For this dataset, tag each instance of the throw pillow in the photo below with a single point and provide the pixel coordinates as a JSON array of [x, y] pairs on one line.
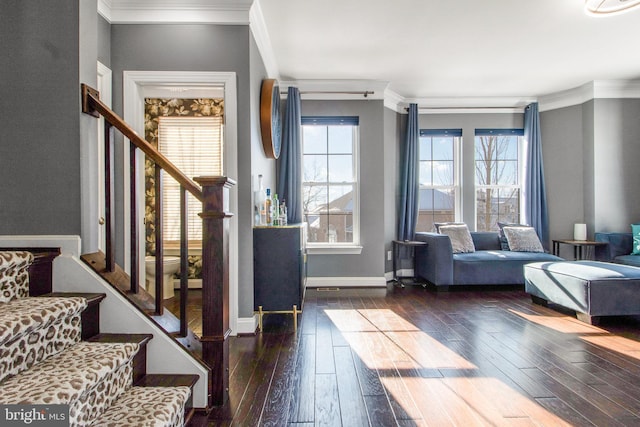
[[635, 230], [522, 239], [504, 245], [461, 241], [437, 225]]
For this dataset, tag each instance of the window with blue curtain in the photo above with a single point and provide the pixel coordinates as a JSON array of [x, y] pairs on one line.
[[330, 201], [498, 177], [439, 191]]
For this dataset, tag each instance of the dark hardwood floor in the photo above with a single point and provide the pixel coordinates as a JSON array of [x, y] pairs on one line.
[[415, 357]]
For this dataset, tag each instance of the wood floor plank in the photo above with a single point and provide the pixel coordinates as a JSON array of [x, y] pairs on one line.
[[250, 410], [327, 403], [324, 345], [302, 404], [276, 407], [353, 411], [380, 412]]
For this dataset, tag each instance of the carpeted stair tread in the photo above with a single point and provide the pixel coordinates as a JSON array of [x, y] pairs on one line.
[[22, 316], [88, 376], [147, 406]]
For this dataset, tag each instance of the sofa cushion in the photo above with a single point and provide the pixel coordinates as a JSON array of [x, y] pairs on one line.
[[523, 239], [628, 260], [494, 267], [461, 241]]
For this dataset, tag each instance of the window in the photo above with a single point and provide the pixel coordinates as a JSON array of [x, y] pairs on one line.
[[330, 180], [194, 145], [438, 177], [498, 165]]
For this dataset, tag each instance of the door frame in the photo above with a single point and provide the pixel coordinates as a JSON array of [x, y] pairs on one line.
[[136, 86]]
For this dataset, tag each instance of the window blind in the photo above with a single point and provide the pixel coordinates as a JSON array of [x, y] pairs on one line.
[[194, 145]]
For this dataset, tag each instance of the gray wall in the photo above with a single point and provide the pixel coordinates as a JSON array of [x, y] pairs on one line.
[[392, 138], [372, 184], [616, 156], [40, 114], [563, 156], [590, 151], [469, 123]]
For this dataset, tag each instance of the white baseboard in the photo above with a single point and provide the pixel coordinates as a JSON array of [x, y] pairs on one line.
[[247, 325], [346, 282]]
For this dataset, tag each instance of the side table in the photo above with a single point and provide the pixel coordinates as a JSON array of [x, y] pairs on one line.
[[579, 247], [410, 244]]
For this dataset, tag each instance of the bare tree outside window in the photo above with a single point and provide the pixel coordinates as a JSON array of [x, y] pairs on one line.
[[497, 180]]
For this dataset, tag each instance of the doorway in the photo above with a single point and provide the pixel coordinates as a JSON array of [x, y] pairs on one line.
[[138, 85]]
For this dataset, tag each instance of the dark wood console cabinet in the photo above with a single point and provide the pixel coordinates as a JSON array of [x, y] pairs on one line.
[[279, 270]]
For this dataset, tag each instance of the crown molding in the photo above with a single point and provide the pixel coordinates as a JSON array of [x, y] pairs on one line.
[[224, 12], [394, 101], [261, 35], [596, 89]]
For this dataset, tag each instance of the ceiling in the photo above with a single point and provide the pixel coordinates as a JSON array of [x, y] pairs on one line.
[[426, 50]]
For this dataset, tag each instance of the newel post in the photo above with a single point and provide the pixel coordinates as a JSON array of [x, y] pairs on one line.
[[215, 283]]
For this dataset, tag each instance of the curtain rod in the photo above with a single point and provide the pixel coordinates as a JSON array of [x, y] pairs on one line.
[[364, 93], [467, 108]]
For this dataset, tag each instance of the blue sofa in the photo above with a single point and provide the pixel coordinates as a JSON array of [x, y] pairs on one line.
[[488, 265], [618, 250]]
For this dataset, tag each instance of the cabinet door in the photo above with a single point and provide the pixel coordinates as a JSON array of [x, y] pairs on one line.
[[276, 268]]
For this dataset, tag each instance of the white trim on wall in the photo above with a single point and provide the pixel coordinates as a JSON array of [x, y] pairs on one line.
[[134, 83], [346, 282]]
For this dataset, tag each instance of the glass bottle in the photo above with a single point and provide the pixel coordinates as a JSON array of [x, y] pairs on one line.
[[267, 208], [275, 217], [259, 199]]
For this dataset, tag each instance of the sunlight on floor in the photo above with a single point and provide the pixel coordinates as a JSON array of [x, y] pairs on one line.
[[591, 334], [429, 381], [395, 336], [560, 323], [622, 345]]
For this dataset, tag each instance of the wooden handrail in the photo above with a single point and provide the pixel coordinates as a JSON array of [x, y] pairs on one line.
[[91, 104]]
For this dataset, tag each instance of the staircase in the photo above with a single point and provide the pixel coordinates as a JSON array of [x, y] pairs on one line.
[[51, 353]]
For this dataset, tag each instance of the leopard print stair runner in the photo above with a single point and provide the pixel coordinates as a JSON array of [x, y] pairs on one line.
[[44, 361], [33, 329], [147, 407], [88, 376]]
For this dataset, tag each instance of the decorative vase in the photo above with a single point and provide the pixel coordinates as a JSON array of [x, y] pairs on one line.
[[580, 232]]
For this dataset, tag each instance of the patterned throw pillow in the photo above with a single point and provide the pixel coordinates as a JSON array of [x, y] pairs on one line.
[[461, 241], [437, 225], [522, 239], [635, 230], [504, 245]]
